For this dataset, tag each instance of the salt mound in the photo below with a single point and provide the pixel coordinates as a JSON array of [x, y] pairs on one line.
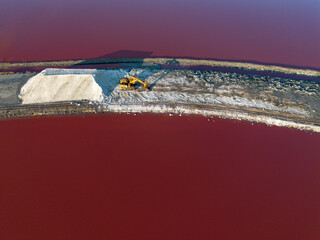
[[55, 85]]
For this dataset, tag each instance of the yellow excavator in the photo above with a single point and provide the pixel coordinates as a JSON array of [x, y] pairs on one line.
[[130, 83]]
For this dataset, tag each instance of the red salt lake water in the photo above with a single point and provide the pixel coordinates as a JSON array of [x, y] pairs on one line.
[[273, 31], [157, 177]]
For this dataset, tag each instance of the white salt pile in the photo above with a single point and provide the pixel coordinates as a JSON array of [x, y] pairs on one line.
[[55, 85]]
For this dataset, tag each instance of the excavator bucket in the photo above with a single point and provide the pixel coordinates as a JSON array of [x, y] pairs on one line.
[[124, 82]]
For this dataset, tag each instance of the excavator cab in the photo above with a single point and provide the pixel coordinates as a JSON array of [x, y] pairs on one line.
[[130, 83]]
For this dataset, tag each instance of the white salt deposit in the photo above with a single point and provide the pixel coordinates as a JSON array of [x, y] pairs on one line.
[[55, 85]]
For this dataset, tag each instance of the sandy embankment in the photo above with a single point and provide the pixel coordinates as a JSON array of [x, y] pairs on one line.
[[281, 102]]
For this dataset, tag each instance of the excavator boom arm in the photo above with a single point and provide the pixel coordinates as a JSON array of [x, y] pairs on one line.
[[133, 80]]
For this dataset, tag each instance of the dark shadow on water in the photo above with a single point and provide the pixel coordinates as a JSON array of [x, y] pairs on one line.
[[126, 54], [117, 59]]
